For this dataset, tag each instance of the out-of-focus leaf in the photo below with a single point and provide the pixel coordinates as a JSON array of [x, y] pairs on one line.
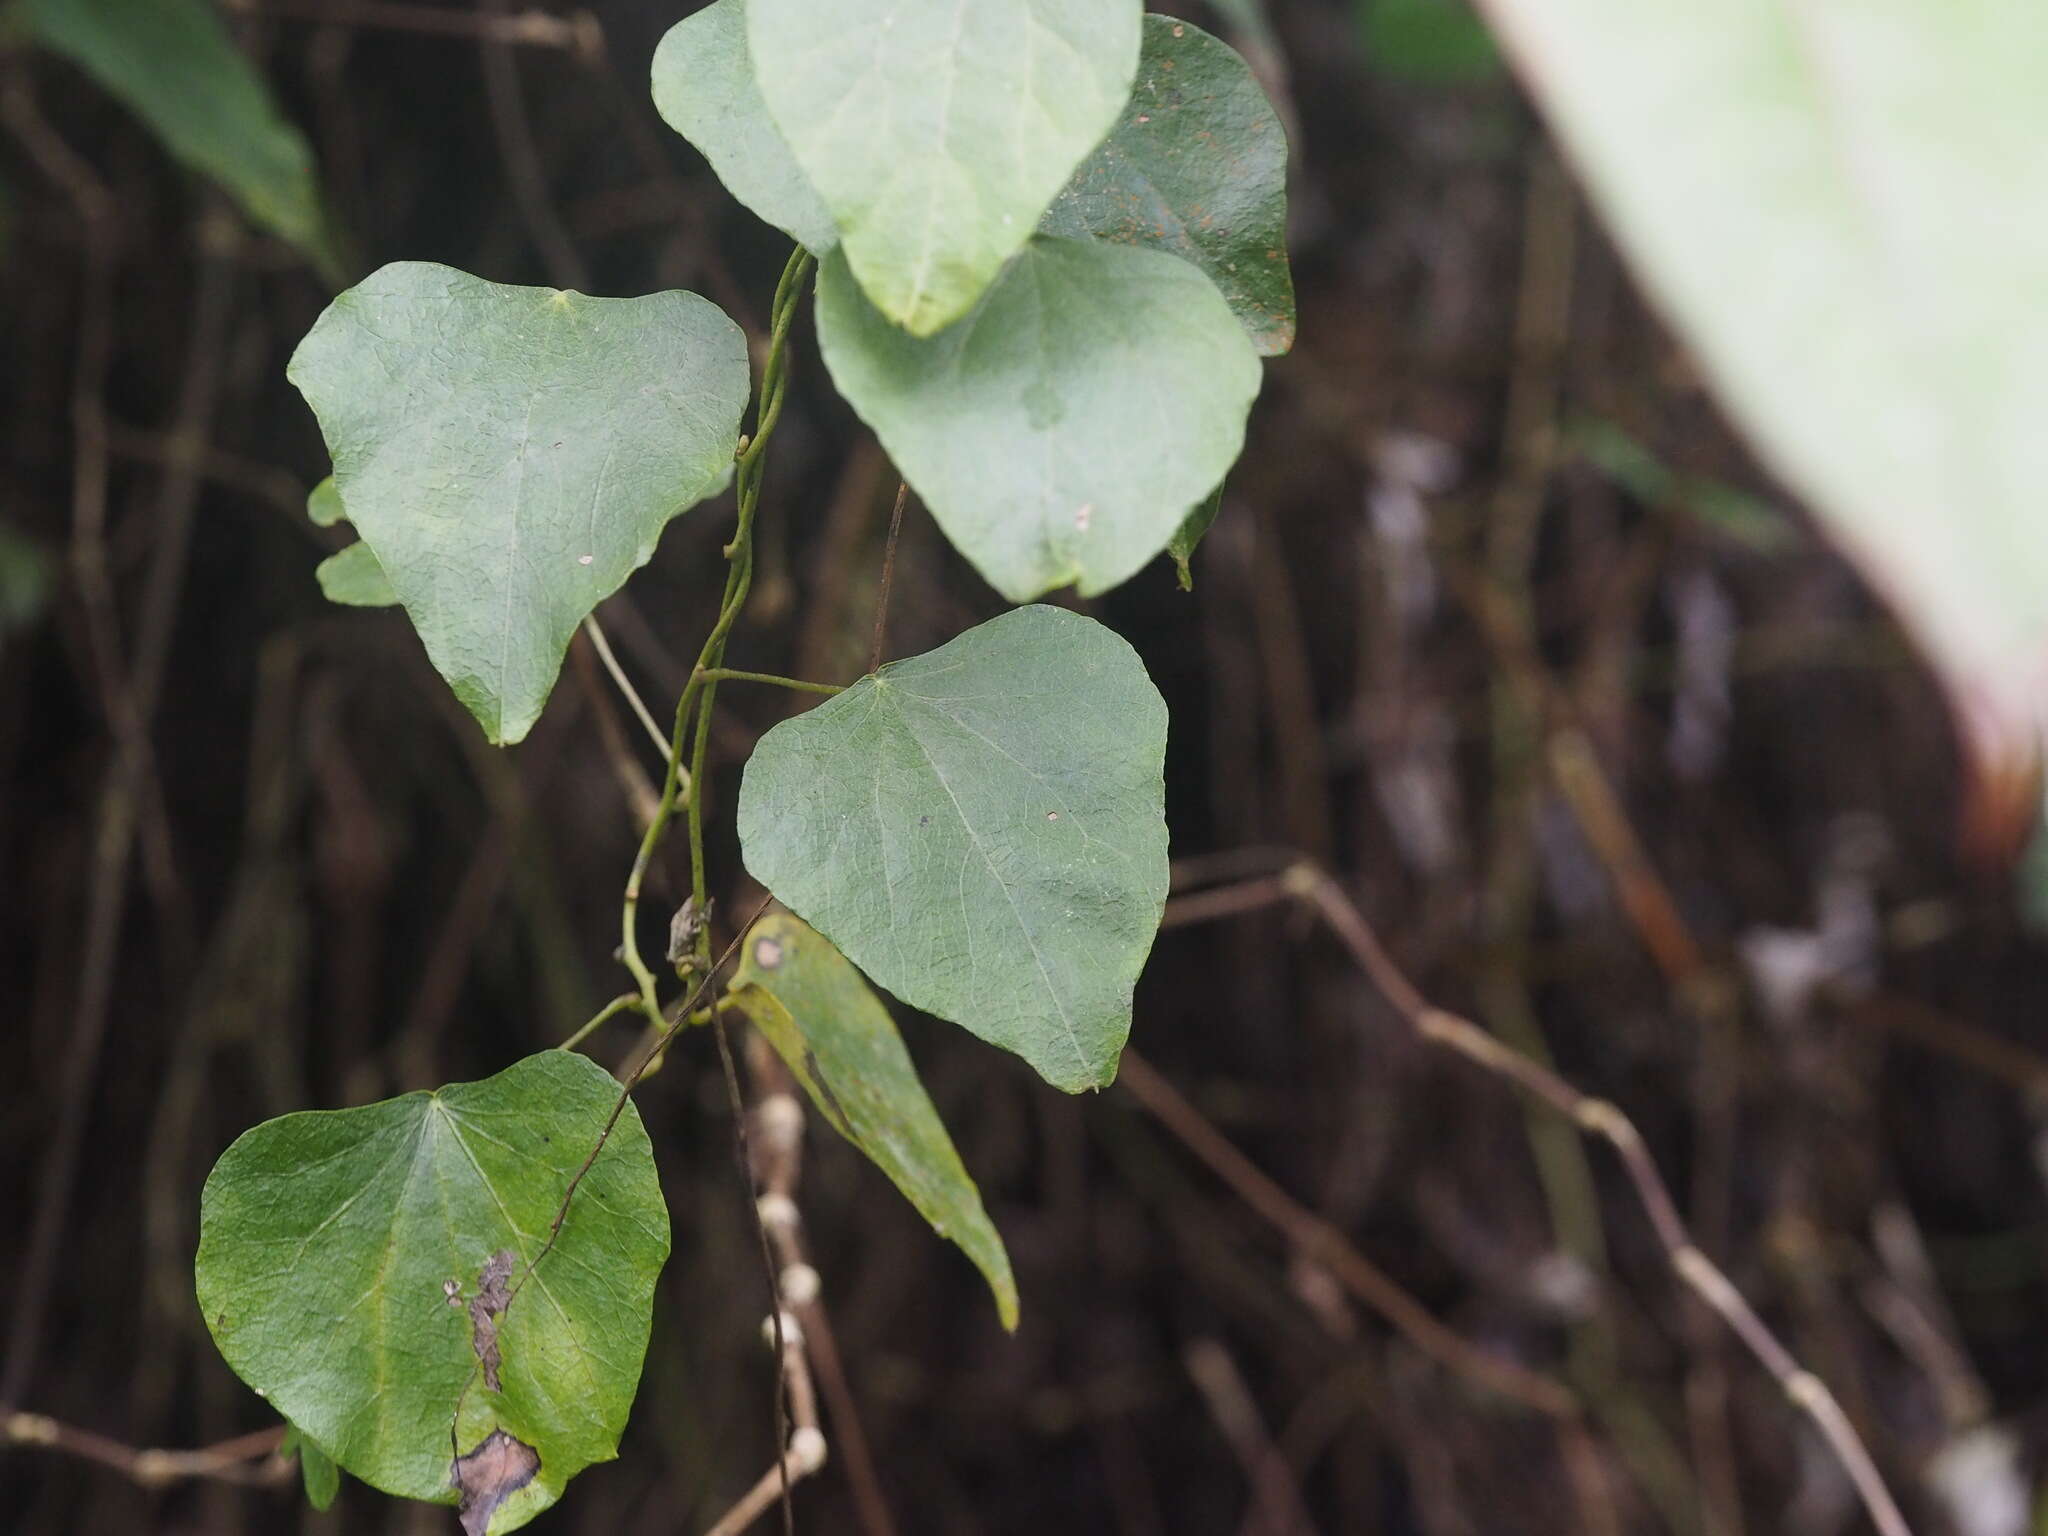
[[354, 579], [839, 1042], [25, 572], [1196, 166], [1843, 207], [1431, 42], [172, 63], [1747, 519]]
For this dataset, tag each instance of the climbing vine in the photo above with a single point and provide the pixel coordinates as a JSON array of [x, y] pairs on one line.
[[1044, 240]]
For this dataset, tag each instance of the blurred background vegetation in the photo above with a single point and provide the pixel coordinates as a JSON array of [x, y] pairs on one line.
[[1499, 623]]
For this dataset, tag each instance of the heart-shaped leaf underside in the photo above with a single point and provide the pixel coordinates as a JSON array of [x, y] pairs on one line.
[[982, 830], [367, 1271], [1842, 206], [839, 1042], [1197, 167], [704, 87], [511, 455], [1061, 432], [937, 131]]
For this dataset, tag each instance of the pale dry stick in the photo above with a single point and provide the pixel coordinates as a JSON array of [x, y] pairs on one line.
[[655, 733], [250, 1459], [1604, 1121], [779, 1125], [806, 1452], [642, 800]]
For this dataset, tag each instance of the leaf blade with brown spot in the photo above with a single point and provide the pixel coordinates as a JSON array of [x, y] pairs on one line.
[[332, 1244]]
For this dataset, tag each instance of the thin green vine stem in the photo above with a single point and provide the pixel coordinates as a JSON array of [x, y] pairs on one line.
[[609, 1011], [701, 690], [797, 684]]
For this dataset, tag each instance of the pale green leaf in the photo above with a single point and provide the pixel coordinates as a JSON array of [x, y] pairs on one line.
[[1191, 533], [353, 578], [316, 1468], [982, 830], [323, 504], [839, 1042], [1061, 432], [937, 131], [512, 454], [704, 87], [1843, 207], [172, 63], [342, 1269], [1197, 167]]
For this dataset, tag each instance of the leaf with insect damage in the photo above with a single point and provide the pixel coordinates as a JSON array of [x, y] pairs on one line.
[[982, 830], [371, 1272], [838, 1040]]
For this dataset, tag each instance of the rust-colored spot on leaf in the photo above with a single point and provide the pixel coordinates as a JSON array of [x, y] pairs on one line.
[[492, 1296], [491, 1474]]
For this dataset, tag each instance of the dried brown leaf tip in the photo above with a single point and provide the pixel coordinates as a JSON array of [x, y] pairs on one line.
[[491, 1474], [493, 1294]]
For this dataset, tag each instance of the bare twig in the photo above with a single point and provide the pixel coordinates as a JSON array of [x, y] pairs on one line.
[[1277, 1507], [1604, 1121], [1316, 1240], [249, 1459], [603, 647], [779, 1122]]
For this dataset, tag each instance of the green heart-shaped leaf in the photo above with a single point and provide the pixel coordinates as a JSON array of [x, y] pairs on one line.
[[1196, 167], [839, 1042], [982, 830], [354, 1266], [1060, 433], [704, 87], [512, 454], [937, 131]]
